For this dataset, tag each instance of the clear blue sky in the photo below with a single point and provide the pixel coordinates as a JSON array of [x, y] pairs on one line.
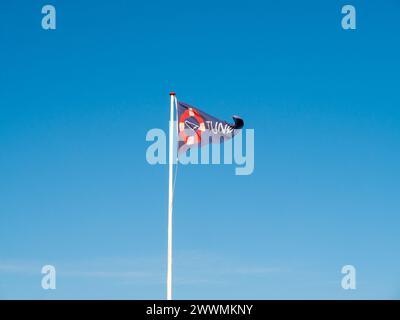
[[76, 190]]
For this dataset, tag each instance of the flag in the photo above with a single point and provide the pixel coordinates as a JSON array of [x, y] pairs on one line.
[[197, 128]]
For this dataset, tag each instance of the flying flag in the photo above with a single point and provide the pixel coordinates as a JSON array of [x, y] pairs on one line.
[[197, 128]]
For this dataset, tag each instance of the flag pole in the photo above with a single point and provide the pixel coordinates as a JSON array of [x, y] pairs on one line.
[[170, 196]]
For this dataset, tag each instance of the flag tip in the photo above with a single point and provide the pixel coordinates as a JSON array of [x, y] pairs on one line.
[[172, 93]]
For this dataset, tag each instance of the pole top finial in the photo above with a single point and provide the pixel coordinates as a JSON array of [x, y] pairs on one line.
[[172, 93]]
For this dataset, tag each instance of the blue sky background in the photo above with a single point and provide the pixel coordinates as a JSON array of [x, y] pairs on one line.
[[76, 190]]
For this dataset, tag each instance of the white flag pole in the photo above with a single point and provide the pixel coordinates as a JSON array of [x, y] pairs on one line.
[[170, 196]]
